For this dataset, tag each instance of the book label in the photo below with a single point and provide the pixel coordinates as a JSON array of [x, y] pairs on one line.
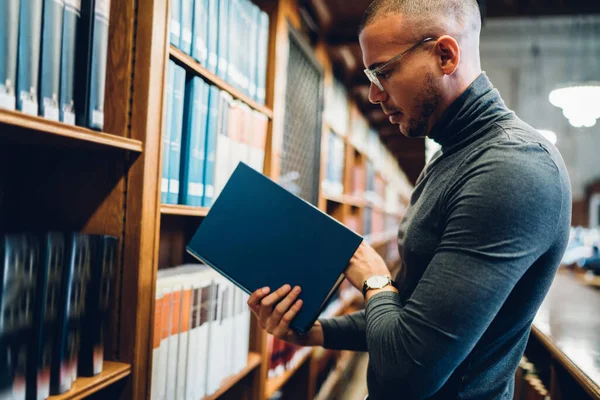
[[7, 101]]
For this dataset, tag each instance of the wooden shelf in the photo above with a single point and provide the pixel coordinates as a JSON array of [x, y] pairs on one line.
[[176, 209], [83, 387], [33, 129], [336, 375], [194, 65], [254, 361], [274, 384]]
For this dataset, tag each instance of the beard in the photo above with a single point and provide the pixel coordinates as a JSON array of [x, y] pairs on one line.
[[425, 105]]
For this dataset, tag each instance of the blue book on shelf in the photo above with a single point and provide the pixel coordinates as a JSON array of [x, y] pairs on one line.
[[224, 43], [278, 239], [263, 47], [72, 14], [187, 17], [30, 35], [213, 35], [50, 61], [200, 31], [253, 50], [176, 133], [98, 64], [192, 157], [9, 40], [245, 45], [166, 139], [175, 23], [211, 146], [234, 42]]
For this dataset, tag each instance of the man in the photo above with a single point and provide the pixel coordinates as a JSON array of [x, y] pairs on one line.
[[484, 234]]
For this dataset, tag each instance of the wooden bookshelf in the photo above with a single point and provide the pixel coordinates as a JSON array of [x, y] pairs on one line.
[[83, 387], [254, 360], [181, 210], [274, 384], [24, 128], [188, 62]]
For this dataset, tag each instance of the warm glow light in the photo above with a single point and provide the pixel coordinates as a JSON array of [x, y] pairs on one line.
[[580, 103], [551, 136]]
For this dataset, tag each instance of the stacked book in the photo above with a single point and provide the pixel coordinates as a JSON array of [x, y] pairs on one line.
[[55, 292], [201, 332]]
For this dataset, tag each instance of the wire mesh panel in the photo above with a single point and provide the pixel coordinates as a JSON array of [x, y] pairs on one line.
[[302, 129]]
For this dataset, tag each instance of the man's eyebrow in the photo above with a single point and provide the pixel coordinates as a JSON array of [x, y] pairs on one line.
[[375, 65]]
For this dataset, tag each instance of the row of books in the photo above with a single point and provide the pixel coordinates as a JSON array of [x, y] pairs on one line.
[[201, 332], [206, 134], [55, 291], [333, 183], [230, 37], [337, 112], [283, 356], [53, 61]]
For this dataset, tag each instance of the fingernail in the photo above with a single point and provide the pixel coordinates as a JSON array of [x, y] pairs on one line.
[[297, 290], [287, 288], [299, 303], [265, 289]]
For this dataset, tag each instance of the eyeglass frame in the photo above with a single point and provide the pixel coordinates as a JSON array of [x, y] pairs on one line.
[[372, 73]]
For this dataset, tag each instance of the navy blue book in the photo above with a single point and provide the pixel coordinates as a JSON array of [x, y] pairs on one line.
[[50, 62], [30, 35], [67, 68], [9, 39], [258, 234]]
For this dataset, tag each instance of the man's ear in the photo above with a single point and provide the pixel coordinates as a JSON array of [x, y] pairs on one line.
[[448, 52]]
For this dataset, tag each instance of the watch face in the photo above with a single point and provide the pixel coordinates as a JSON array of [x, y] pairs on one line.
[[377, 281]]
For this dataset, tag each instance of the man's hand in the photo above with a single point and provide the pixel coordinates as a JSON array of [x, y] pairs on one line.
[[364, 264], [275, 311]]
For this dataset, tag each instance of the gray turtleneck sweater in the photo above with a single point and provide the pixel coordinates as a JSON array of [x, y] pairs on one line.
[[480, 244]]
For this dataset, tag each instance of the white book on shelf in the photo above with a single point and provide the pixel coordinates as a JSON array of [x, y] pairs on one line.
[[155, 385], [223, 152], [215, 350]]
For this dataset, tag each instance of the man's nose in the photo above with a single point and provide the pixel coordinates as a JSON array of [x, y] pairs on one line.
[[377, 95]]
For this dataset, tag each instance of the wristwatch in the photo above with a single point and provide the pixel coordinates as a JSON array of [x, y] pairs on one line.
[[377, 282]]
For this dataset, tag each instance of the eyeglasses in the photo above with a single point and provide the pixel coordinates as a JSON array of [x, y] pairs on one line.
[[372, 74]]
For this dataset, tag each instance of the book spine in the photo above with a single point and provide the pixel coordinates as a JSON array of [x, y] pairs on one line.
[[213, 32], [176, 133], [211, 140], [253, 56], [187, 16], [99, 64], [183, 347], [173, 343], [200, 31], [9, 40], [223, 40], [262, 57], [175, 23], [30, 32], [71, 18], [164, 343], [234, 43], [166, 138], [195, 149], [50, 59], [156, 338]]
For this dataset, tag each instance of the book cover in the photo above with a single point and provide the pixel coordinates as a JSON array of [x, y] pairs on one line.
[[166, 137], [176, 134], [99, 64], [211, 144], [72, 15], [103, 259], [52, 260], [50, 59], [187, 19], [30, 35], [224, 43], [76, 273], [175, 23], [213, 35], [9, 40], [294, 232], [200, 31], [192, 163]]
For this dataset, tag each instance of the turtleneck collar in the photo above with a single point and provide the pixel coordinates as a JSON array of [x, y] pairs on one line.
[[476, 108]]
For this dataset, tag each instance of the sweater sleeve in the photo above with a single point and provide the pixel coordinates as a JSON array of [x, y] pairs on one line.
[[500, 217], [346, 332]]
